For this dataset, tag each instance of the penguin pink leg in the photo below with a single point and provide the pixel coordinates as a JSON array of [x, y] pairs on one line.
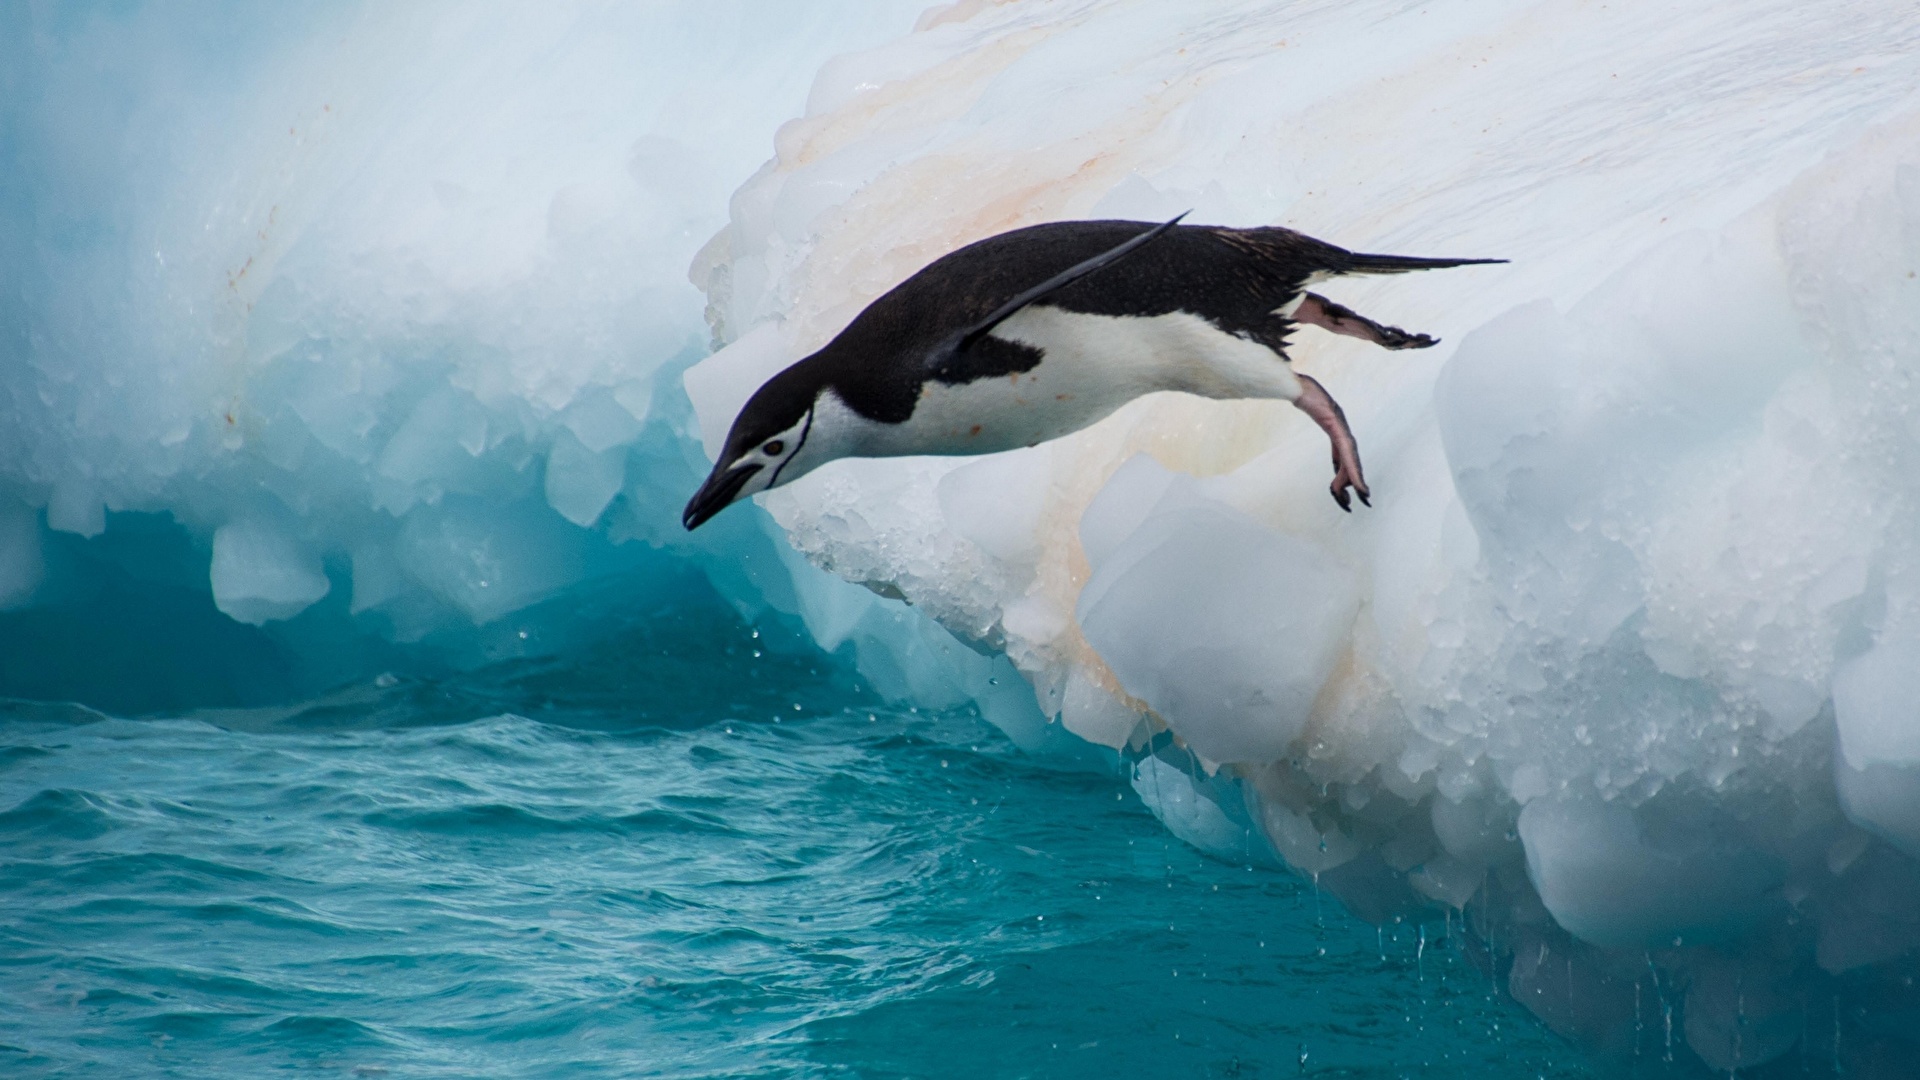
[[1317, 403], [1316, 310]]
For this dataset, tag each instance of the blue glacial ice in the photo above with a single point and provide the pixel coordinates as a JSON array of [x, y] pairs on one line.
[[391, 319]]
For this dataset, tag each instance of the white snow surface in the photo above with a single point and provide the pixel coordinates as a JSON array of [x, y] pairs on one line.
[[1633, 624]]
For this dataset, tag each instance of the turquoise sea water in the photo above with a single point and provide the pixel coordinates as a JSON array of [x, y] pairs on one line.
[[672, 855]]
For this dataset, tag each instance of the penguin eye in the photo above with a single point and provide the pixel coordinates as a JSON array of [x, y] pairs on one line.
[[773, 448]]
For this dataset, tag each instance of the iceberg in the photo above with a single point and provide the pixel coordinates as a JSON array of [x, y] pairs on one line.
[[1619, 664], [367, 309]]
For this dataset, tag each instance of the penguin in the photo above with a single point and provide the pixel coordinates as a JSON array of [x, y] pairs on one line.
[[1038, 332]]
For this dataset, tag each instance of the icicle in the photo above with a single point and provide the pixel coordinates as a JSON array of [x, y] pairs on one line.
[[1739, 1022], [1639, 1025], [1570, 1012], [1836, 1035]]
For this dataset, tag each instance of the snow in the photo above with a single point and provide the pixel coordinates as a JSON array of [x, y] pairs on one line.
[[387, 308]]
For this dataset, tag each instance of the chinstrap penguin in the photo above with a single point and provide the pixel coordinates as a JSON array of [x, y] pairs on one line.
[[1039, 332]]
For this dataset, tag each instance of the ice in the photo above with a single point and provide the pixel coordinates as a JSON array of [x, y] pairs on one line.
[[403, 282], [1612, 877], [580, 482], [1225, 628], [1207, 812], [22, 562], [261, 573], [997, 503], [1617, 662], [74, 506], [1876, 705]]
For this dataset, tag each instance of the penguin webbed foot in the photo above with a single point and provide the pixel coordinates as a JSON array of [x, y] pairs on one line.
[[1317, 310], [1392, 337]]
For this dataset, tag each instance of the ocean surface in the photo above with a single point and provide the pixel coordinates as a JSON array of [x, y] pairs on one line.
[[685, 852]]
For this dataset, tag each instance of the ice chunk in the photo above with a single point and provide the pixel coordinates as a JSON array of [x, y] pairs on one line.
[[1613, 879], [261, 573], [437, 449], [1096, 715], [602, 421], [75, 507], [1122, 505], [1191, 806], [1883, 798], [722, 383], [1476, 830], [1226, 628], [22, 565], [996, 502], [1876, 707], [580, 481], [1742, 1010], [1876, 701], [487, 559]]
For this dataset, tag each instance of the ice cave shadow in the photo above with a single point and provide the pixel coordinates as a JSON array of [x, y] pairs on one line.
[[134, 632]]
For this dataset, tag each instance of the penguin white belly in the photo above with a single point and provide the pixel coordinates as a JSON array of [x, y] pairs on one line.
[[1090, 366]]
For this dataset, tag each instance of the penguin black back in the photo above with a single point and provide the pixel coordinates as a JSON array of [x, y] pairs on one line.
[[1233, 278]]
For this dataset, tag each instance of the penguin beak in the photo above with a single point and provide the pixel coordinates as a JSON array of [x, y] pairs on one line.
[[722, 487]]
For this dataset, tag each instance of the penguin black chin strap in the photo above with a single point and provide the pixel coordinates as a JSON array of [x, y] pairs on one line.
[[797, 444]]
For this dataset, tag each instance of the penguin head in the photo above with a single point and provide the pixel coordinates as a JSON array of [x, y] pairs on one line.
[[763, 450]]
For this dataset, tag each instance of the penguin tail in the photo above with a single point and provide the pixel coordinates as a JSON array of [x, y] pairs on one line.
[[1357, 263]]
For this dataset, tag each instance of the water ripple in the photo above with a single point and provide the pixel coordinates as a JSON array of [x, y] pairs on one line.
[[830, 895], [68, 815]]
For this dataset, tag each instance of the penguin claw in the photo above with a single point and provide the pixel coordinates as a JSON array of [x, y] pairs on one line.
[[1392, 337], [1344, 489]]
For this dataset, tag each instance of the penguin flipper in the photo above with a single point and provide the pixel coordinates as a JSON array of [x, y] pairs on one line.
[[1059, 281]]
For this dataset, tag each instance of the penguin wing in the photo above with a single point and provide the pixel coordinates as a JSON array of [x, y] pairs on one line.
[[1061, 280]]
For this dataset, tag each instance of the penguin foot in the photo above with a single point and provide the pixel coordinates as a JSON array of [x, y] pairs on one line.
[[1345, 481], [1348, 479], [1392, 337], [1317, 310]]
